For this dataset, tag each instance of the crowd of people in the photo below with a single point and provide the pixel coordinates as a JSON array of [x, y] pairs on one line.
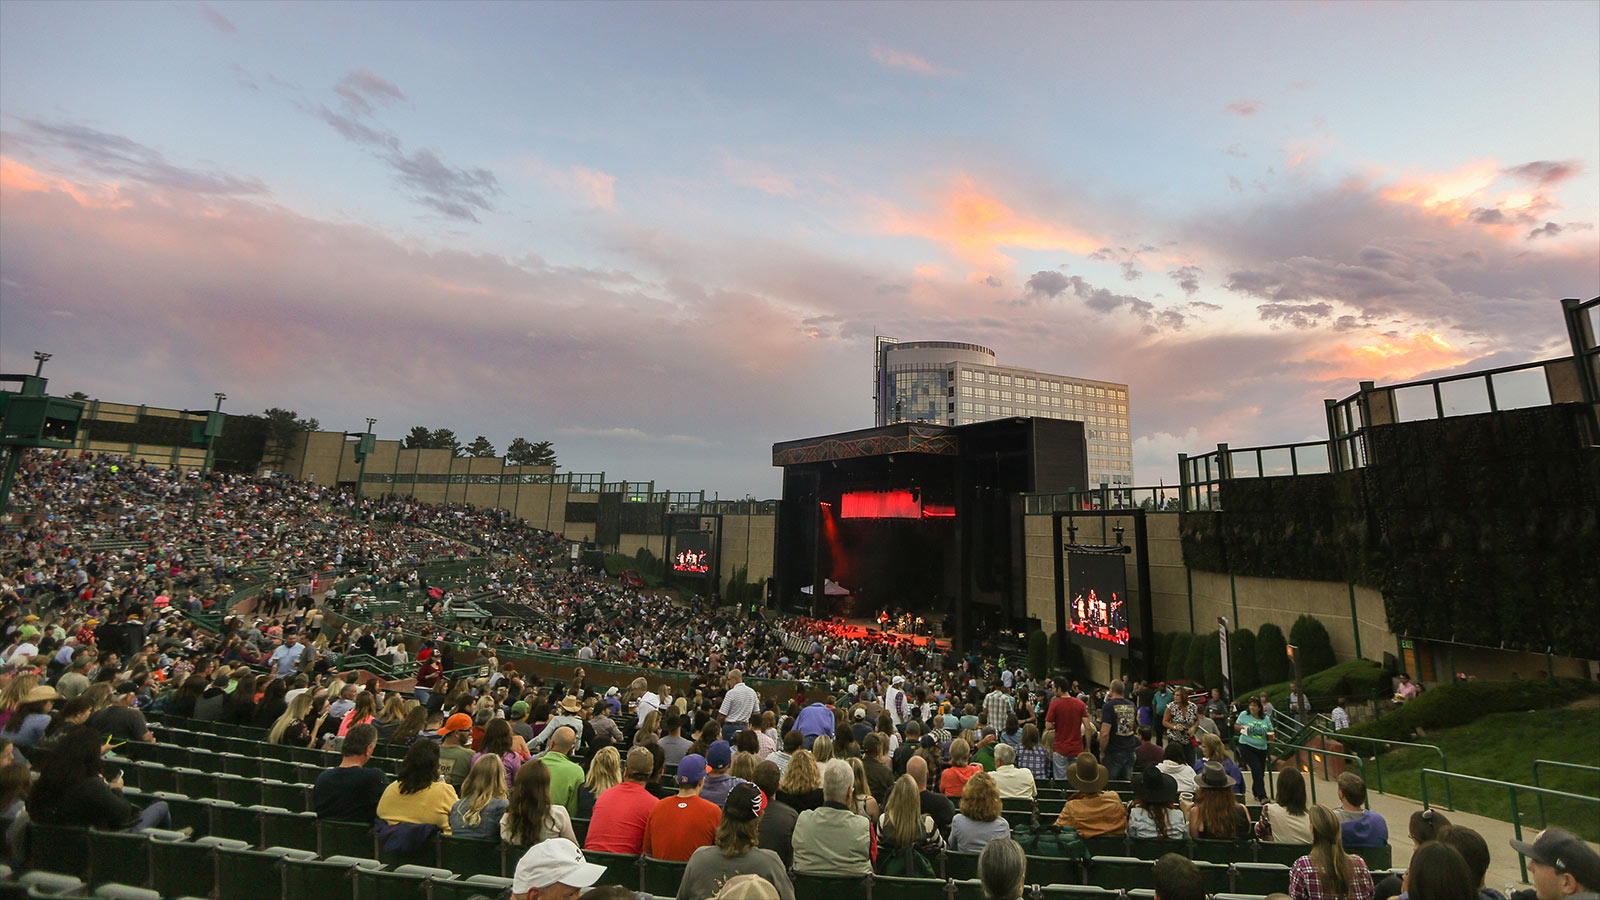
[[906, 753]]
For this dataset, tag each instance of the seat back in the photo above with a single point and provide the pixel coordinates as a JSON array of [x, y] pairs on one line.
[[621, 868], [253, 874], [1286, 854], [355, 839], [1260, 878], [476, 886], [1121, 872], [472, 856], [62, 849], [894, 887], [831, 887], [660, 876], [325, 879], [119, 856], [235, 822], [1071, 891], [1379, 859], [284, 828], [1155, 848], [1107, 845], [403, 883], [1225, 852]]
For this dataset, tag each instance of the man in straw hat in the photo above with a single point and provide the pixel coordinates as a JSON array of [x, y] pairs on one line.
[[1092, 809]]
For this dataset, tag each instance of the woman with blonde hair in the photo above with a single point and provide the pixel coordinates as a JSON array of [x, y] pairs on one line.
[[284, 730], [979, 820], [801, 784], [744, 765], [483, 801], [389, 718], [904, 826], [822, 749], [649, 728], [863, 803], [1213, 750], [605, 773], [1328, 872], [11, 697]]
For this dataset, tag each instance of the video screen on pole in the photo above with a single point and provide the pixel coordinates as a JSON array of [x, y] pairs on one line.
[[691, 553], [1097, 601]]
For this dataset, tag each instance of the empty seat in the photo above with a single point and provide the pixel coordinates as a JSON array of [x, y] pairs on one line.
[[402, 883], [465, 889], [119, 856], [473, 856], [660, 876], [285, 828], [621, 868], [62, 849], [346, 839], [1260, 878], [245, 874], [831, 887], [115, 891], [325, 879], [960, 865], [1069, 892], [894, 887], [180, 868]]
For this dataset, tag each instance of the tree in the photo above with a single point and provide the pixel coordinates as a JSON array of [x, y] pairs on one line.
[[1272, 655], [480, 447], [282, 427], [1194, 668], [1178, 656], [1311, 641], [1242, 643], [445, 439], [77, 395], [421, 438], [1163, 649], [523, 452], [1213, 662], [1039, 654]]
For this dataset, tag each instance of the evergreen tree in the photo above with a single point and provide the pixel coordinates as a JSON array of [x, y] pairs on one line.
[[1315, 647], [522, 452], [480, 447], [1272, 658], [1039, 654], [1178, 656], [1243, 644], [1194, 667]]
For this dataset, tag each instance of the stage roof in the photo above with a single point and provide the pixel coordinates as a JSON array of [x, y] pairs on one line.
[[904, 437]]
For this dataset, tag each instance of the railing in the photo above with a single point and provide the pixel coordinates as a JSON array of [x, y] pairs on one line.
[[1377, 759], [1320, 755], [1559, 765], [1514, 789], [1200, 477], [1156, 498]]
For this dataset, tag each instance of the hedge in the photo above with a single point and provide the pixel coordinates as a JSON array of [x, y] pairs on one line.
[[1178, 656], [1463, 702], [1194, 667], [1356, 680], [1242, 644], [1272, 658], [1311, 641]]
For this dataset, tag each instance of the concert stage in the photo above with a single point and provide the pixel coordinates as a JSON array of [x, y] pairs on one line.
[[919, 518]]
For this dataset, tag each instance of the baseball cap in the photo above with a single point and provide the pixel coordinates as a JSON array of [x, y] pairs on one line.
[[1565, 853], [745, 802], [860, 713], [719, 755], [747, 887], [457, 722], [691, 769], [898, 679], [554, 861], [518, 708]]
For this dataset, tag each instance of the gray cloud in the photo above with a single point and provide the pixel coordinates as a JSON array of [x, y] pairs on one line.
[[1546, 172], [213, 18], [1187, 278], [992, 281], [1299, 315], [452, 191], [1131, 271], [116, 156], [1548, 229], [1103, 301], [1048, 282], [361, 91], [1244, 107]]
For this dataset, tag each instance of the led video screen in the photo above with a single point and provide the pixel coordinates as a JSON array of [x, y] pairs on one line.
[[691, 553], [1098, 611]]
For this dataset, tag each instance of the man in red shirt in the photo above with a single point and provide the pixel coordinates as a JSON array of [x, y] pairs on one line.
[[683, 824], [620, 814], [1066, 715]]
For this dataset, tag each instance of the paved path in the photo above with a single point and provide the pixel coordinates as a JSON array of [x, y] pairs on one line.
[[1397, 810]]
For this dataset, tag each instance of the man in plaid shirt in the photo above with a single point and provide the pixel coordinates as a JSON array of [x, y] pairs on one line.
[[997, 705]]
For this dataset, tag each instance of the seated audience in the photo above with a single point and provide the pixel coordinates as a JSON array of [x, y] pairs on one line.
[[1092, 809], [417, 796], [1328, 872], [1012, 780], [1286, 820], [554, 870], [1002, 869], [530, 817], [777, 822], [735, 851], [1362, 827], [1438, 872], [623, 810], [350, 791], [1176, 878], [1156, 811], [832, 840], [954, 778], [979, 820], [1559, 865], [678, 826], [1217, 814], [483, 801], [71, 791]]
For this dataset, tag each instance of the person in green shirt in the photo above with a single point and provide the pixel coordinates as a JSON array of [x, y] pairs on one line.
[[565, 775], [1254, 728]]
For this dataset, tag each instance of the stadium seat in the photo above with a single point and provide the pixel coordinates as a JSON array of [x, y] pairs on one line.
[[239, 789], [401, 883], [1119, 872], [476, 886], [1221, 851], [289, 796], [1068, 891], [326, 879], [186, 867], [59, 848], [119, 856], [115, 891], [621, 868], [254, 874], [1378, 858], [425, 856], [966, 889], [1286, 854], [282, 828], [472, 856], [235, 822], [346, 839], [893, 887], [1155, 848], [241, 765], [1055, 870], [186, 812], [1107, 845], [48, 884], [960, 865], [830, 887], [1260, 878], [580, 829], [660, 876]]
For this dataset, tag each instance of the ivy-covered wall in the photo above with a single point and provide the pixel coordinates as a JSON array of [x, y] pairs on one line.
[[1481, 529], [239, 448]]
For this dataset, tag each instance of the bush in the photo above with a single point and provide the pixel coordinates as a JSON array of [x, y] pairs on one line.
[[1272, 657], [1178, 656], [1243, 646], [1213, 663], [1356, 680], [1462, 702], [1194, 668], [1055, 649], [1038, 655], [1312, 643], [616, 564], [1163, 651]]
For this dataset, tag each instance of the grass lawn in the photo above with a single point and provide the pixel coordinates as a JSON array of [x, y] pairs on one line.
[[1503, 746]]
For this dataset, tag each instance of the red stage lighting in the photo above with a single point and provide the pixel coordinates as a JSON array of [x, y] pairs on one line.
[[890, 505]]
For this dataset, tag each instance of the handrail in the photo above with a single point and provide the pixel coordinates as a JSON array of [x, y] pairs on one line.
[[1377, 759], [1513, 787], [1559, 764], [1317, 752], [1464, 376]]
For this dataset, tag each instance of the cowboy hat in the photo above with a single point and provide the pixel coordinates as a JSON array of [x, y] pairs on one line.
[[1086, 775], [570, 704], [1214, 777], [1155, 786]]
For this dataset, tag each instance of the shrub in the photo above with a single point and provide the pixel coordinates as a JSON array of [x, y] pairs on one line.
[[1311, 641], [1463, 702], [1356, 680], [1055, 649], [1212, 670], [1272, 659], [1038, 654], [1194, 668], [1178, 656], [1243, 646], [1163, 650]]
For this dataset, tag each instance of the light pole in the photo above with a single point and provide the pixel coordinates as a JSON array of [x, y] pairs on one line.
[[43, 358], [363, 450], [212, 428]]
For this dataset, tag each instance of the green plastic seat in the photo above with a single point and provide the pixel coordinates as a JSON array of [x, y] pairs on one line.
[[119, 856], [283, 828], [235, 822], [1121, 872], [967, 889], [345, 839], [284, 795], [239, 789], [116, 891], [241, 765], [1071, 891], [325, 879], [660, 876], [180, 868], [466, 889], [61, 849], [402, 883], [831, 887], [960, 865], [472, 856], [48, 884], [896, 887], [1224, 852], [580, 829], [1054, 870], [1155, 848], [254, 874], [621, 868], [1379, 859], [1260, 878], [1269, 852]]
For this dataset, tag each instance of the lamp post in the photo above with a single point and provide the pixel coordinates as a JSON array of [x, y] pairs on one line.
[[43, 358], [212, 428], [363, 450]]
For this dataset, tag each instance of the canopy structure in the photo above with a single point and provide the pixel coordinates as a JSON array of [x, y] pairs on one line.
[[830, 588]]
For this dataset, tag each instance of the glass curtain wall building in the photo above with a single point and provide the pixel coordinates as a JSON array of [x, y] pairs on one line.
[[956, 383]]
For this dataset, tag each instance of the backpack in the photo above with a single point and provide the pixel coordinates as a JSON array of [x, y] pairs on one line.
[[909, 863], [1059, 841]]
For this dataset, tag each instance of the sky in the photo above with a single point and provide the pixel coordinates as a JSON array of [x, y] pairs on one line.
[[662, 236]]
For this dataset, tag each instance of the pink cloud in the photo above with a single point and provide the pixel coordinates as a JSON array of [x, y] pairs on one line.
[[972, 224], [1244, 107], [900, 59]]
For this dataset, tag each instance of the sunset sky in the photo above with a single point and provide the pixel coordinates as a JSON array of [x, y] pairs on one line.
[[663, 235]]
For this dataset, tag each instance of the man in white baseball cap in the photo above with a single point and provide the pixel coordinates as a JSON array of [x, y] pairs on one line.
[[553, 869]]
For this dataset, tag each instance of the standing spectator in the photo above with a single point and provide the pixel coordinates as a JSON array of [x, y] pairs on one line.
[[1066, 716], [979, 820], [832, 840], [1002, 869], [998, 705], [1299, 703], [677, 826], [1361, 826], [1340, 716], [1119, 722], [530, 817], [622, 811], [1286, 820], [735, 851], [1254, 728], [1217, 711], [1092, 809], [349, 792], [738, 705], [417, 796], [1328, 872], [483, 801], [1406, 690], [1180, 720]]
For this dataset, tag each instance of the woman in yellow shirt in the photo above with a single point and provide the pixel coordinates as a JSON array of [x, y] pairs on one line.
[[417, 795]]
